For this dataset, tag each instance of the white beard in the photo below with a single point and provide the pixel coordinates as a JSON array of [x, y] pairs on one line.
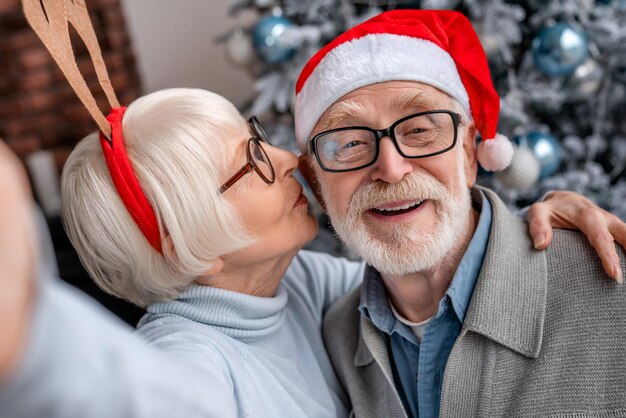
[[403, 249]]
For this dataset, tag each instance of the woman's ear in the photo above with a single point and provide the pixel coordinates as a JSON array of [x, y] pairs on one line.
[[305, 165], [216, 267]]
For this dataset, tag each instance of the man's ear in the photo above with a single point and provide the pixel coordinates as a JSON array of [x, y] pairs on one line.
[[305, 165], [471, 161]]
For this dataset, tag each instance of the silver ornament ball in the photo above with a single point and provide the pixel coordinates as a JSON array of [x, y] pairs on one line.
[[584, 81]]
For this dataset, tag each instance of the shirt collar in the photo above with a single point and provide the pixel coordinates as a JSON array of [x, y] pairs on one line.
[[374, 300], [374, 305], [464, 280]]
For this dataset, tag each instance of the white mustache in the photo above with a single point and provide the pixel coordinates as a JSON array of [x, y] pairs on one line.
[[414, 186]]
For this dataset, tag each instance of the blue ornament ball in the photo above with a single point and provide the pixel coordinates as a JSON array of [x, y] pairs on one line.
[[266, 38], [558, 49], [545, 148]]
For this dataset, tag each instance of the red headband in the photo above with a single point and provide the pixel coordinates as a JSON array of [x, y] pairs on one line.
[[125, 180]]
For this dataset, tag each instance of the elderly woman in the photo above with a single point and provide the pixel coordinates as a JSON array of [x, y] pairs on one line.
[[234, 305], [229, 241]]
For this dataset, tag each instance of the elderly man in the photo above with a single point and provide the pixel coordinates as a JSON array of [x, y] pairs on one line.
[[458, 315]]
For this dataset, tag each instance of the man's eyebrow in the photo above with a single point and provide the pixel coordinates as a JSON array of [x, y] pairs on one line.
[[348, 109], [416, 100], [339, 112]]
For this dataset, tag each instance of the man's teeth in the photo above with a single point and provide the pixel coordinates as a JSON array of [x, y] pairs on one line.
[[401, 207]]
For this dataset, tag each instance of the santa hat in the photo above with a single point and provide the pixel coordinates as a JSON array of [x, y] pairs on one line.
[[438, 48]]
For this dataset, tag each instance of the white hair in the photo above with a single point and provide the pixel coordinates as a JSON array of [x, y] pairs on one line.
[[178, 142], [456, 106]]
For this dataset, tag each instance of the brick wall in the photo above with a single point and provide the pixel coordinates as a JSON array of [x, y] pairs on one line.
[[38, 109]]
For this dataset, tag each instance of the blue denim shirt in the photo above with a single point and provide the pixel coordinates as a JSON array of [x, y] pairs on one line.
[[418, 367]]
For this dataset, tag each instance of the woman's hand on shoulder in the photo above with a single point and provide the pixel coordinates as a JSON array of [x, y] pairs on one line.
[[569, 210]]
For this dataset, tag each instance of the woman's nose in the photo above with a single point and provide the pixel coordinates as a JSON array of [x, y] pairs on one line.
[[284, 162]]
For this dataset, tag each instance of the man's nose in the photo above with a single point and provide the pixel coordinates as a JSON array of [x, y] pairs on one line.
[[390, 166]]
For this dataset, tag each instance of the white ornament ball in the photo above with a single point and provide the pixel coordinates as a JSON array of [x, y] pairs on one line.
[[523, 172], [239, 49]]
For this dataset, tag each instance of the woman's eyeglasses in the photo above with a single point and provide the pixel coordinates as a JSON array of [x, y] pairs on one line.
[[258, 160]]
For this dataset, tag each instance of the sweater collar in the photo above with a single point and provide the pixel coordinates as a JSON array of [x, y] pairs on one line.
[[241, 316], [509, 301]]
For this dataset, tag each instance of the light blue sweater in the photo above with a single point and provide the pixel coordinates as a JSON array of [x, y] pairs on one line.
[[220, 354], [268, 351]]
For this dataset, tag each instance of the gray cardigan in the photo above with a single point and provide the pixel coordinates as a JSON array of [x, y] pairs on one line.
[[544, 335]]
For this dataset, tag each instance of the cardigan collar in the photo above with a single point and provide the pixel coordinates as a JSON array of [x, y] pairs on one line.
[[509, 301]]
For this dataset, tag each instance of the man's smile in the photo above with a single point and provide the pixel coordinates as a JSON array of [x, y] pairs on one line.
[[397, 208]]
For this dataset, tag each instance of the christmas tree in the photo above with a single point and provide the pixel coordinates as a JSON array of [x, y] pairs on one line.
[[558, 65]]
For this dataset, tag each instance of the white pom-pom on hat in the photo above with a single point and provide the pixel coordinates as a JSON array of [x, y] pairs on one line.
[[495, 154]]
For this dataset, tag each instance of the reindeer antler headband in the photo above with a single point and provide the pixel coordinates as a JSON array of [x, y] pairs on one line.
[[50, 19]]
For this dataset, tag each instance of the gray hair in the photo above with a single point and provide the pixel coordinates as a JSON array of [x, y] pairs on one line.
[[177, 141]]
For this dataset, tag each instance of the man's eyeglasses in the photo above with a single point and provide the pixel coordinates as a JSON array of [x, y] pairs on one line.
[[258, 159], [419, 135]]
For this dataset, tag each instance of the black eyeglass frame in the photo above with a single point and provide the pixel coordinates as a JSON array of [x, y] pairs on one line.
[[381, 133], [259, 136]]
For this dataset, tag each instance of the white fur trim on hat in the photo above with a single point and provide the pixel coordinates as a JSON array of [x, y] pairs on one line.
[[373, 59], [495, 154]]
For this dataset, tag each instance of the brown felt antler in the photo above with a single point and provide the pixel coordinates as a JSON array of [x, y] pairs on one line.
[[50, 20]]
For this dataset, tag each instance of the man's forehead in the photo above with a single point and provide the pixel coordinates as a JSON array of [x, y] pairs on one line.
[[396, 95]]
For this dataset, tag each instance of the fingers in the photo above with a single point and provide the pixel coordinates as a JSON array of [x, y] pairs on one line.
[[570, 210], [595, 225], [539, 225], [617, 228]]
